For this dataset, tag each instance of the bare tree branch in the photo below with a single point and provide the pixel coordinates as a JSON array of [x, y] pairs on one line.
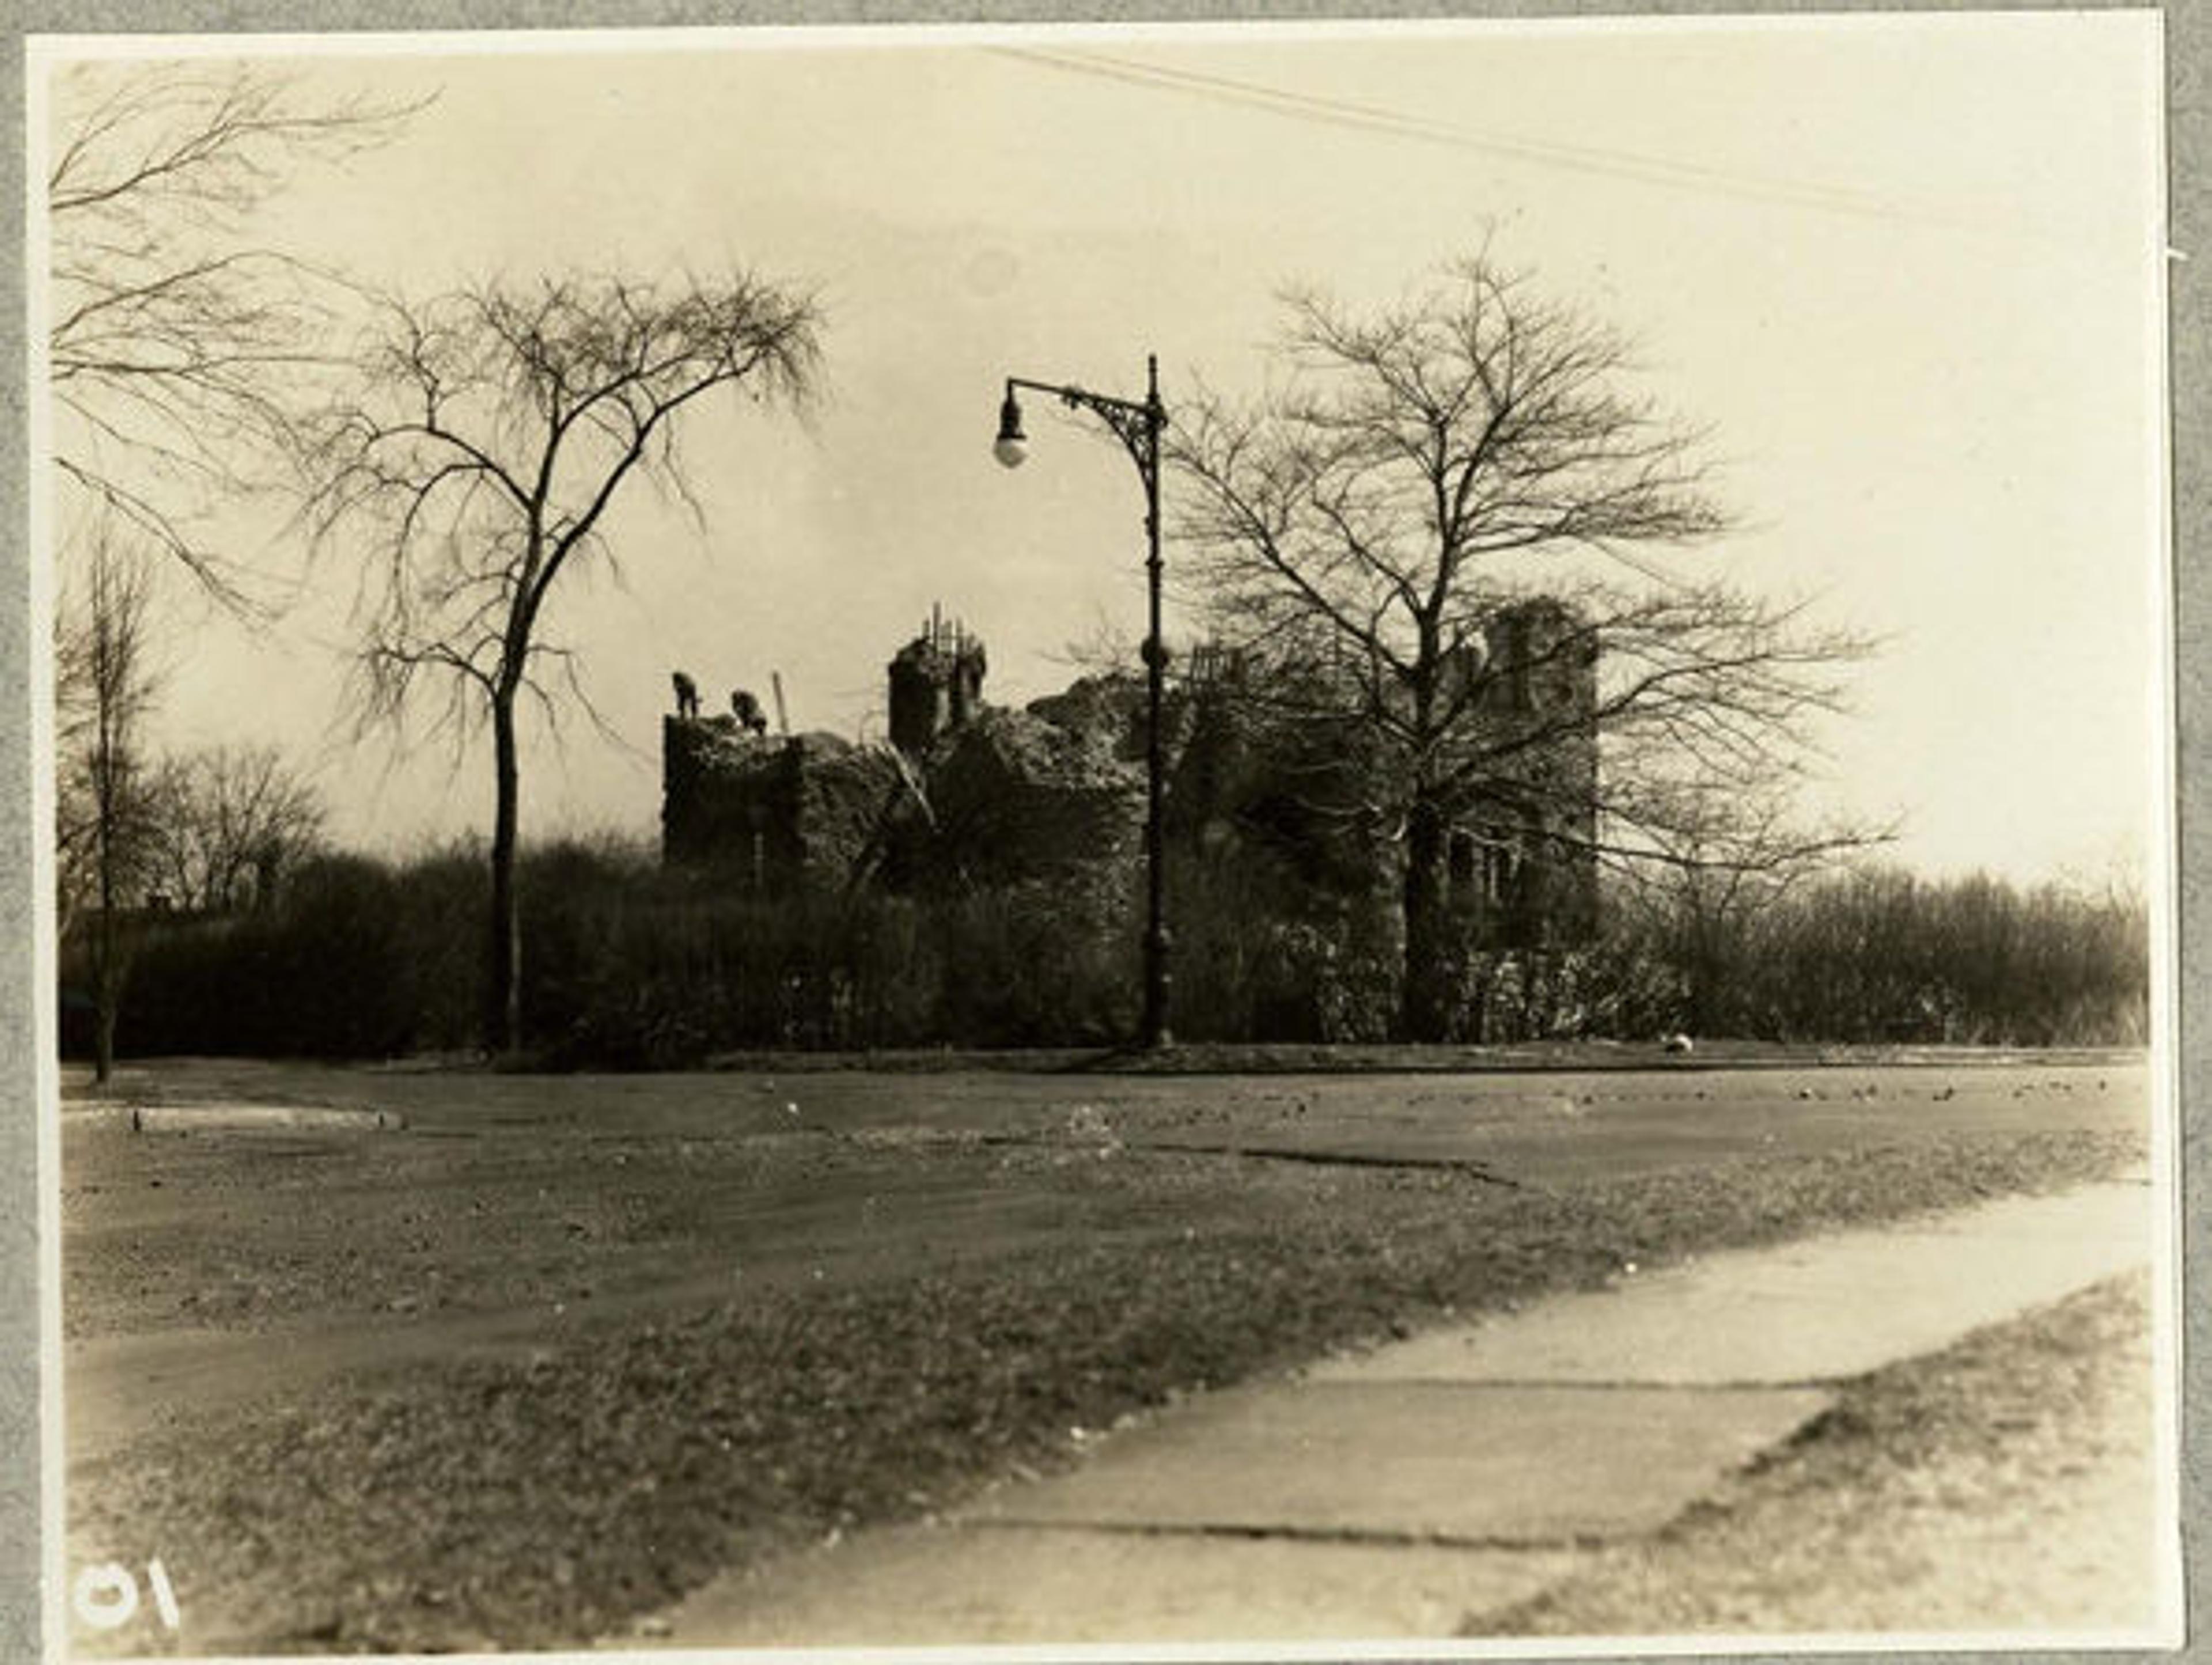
[[178, 343], [107, 810], [484, 437], [234, 821], [1393, 533]]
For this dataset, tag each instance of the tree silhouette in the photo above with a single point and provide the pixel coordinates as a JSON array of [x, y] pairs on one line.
[[233, 821], [1459, 474], [175, 336], [474, 456], [107, 810]]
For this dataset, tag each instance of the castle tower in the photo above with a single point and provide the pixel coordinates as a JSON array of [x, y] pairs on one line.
[[1538, 864], [936, 684]]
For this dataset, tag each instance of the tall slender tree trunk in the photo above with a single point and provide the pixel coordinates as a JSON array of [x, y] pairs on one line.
[[503, 978], [114, 946], [106, 990], [1426, 997], [107, 946], [103, 1043]]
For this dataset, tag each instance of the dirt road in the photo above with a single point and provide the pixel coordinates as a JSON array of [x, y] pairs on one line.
[[606, 1239], [517, 1212]]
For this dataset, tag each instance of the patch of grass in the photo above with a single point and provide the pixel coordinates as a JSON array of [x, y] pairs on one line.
[[543, 1502], [2003, 1484]]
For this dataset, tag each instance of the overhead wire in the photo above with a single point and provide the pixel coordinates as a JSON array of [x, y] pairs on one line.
[[1642, 168]]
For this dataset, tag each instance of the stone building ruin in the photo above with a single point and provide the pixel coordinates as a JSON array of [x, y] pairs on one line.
[[967, 794], [936, 685], [1525, 857]]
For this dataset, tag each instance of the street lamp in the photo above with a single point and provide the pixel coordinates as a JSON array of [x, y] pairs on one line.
[[1136, 425]]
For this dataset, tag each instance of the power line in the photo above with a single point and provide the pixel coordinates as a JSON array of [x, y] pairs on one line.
[[1582, 159]]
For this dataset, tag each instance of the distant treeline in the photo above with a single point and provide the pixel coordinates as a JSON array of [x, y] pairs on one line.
[[627, 965], [1877, 954]]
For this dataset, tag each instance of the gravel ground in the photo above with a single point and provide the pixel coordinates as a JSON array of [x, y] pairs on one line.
[[509, 1192], [545, 1499], [2004, 1484]]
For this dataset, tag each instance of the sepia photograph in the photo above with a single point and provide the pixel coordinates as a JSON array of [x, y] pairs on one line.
[[1230, 841]]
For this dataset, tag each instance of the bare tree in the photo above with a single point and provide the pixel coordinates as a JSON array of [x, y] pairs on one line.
[[487, 433], [173, 336], [1462, 470], [106, 810], [234, 820], [1723, 860]]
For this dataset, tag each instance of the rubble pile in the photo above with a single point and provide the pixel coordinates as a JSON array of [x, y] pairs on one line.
[[1017, 797]]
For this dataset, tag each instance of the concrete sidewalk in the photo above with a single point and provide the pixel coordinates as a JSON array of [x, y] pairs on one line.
[[1395, 1493]]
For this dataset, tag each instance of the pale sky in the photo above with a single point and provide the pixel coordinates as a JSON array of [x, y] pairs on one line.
[[1905, 270]]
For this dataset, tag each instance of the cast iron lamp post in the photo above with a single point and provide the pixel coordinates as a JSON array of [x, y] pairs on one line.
[[1136, 425]]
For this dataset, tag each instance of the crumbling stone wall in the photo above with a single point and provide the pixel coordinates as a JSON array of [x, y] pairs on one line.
[[970, 795], [768, 813], [936, 685], [1536, 830], [1017, 796]]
